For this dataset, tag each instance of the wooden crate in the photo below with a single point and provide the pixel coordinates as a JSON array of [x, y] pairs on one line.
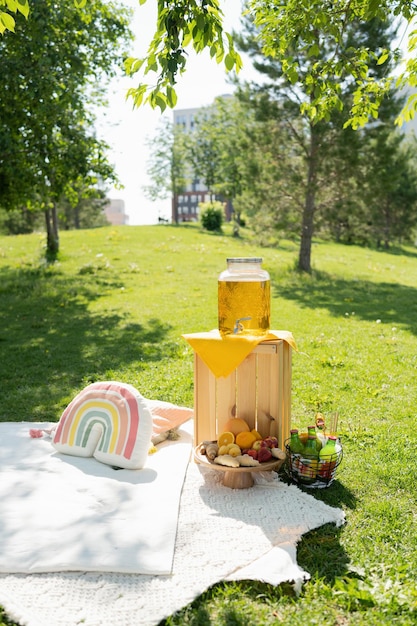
[[259, 391]]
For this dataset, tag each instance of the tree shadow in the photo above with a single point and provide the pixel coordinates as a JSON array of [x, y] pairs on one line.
[[336, 495], [392, 303], [319, 552], [52, 343], [398, 251]]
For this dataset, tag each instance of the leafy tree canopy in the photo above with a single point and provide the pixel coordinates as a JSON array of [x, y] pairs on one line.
[[54, 72], [285, 28], [180, 23]]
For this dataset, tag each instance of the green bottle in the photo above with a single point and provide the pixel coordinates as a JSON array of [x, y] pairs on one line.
[[296, 445], [311, 447], [310, 461], [329, 452], [328, 458], [311, 430]]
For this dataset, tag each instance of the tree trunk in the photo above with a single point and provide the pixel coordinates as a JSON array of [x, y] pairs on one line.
[[307, 228], [174, 208], [304, 258], [236, 223], [52, 238], [77, 216]]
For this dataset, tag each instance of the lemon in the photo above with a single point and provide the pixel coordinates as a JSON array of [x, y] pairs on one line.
[[234, 450], [256, 434]]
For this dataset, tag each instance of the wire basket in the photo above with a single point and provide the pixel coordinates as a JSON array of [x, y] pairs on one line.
[[311, 472]]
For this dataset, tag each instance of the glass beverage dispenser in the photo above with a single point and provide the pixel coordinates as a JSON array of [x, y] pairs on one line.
[[244, 297]]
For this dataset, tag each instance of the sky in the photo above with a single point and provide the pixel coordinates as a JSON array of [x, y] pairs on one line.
[[127, 130]]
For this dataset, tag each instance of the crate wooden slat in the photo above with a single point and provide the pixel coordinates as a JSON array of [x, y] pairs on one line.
[[259, 391]]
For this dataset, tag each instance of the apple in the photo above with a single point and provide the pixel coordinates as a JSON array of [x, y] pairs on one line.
[[264, 455], [270, 442]]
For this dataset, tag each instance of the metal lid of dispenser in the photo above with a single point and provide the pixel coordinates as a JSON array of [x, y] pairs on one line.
[[244, 260]]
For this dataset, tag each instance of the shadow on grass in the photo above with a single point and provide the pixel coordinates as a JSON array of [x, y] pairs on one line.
[[233, 595], [336, 495], [52, 344], [392, 303], [399, 251], [319, 553]]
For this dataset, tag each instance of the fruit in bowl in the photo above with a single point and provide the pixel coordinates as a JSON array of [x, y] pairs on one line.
[[236, 425], [248, 447]]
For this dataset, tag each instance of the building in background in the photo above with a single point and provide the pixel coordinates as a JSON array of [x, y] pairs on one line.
[[185, 205], [115, 212]]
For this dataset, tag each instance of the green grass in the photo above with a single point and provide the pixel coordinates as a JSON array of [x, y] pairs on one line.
[[115, 306]]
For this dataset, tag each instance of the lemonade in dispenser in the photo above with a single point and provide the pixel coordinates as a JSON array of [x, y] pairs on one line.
[[244, 297]]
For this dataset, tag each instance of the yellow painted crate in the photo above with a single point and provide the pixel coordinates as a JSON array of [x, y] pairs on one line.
[[258, 391]]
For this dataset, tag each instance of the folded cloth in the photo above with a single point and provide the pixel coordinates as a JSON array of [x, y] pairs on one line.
[[69, 513], [224, 353]]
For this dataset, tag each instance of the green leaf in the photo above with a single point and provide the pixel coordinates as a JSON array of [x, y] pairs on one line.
[[196, 34], [200, 22], [151, 67], [238, 62], [171, 96], [373, 6], [219, 54], [313, 50], [292, 75], [8, 21], [161, 101], [137, 94], [229, 62], [187, 38], [230, 39], [138, 99], [23, 7], [133, 65], [383, 58]]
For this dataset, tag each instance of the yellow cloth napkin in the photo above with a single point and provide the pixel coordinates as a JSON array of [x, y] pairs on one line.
[[223, 354]]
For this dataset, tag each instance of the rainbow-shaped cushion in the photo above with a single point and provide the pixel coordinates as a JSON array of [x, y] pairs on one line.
[[109, 421]]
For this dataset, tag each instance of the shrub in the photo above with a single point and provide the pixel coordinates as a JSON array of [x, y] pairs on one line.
[[211, 215]]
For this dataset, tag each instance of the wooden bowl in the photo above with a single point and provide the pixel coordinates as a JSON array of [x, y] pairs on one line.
[[236, 477]]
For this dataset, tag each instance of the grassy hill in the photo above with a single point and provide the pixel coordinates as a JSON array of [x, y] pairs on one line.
[[115, 306]]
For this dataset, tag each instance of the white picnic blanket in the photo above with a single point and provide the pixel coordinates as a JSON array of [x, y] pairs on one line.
[[223, 534], [67, 513]]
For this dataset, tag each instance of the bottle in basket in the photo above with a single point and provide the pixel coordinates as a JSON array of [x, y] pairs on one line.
[[296, 445], [310, 461], [311, 430], [328, 458], [296, 448]]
